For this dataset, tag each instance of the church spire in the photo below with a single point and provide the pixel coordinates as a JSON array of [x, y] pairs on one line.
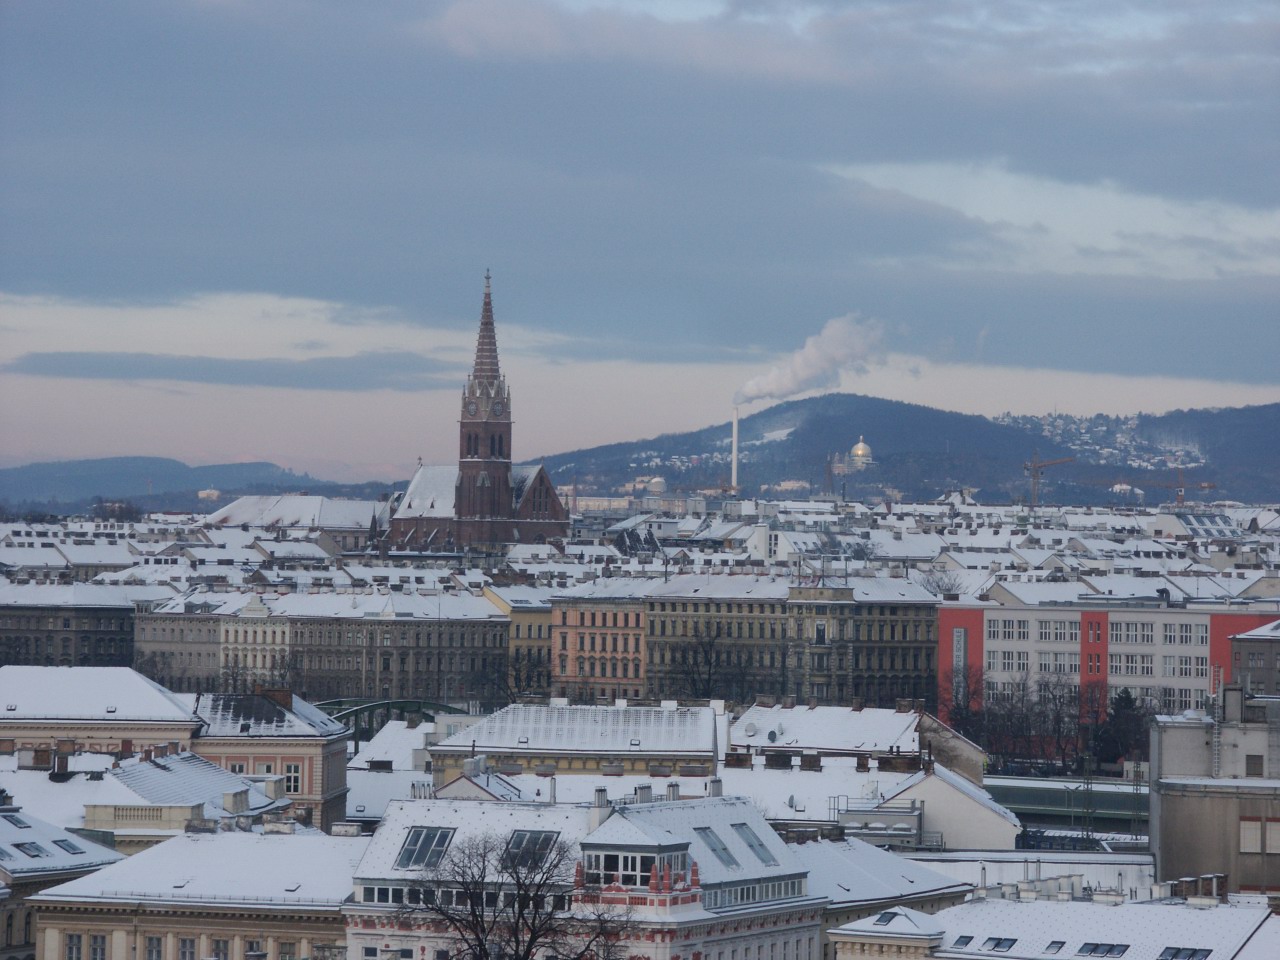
[[486, 365]]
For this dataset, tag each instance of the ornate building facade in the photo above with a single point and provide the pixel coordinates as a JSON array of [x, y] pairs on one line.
[[484, 502]]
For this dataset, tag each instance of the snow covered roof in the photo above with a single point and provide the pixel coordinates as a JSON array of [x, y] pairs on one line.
[[1268, 631], [369, 792], [898, 923], [295, 510], [854, 872], [590, 729], [78, 594], [524, 598], [361, 604], [871, 730], [271, 871], [430, 494], [964, 786], [1037, 592], [1147, 927], [466, 818], [808, 794], [711, 827], [257, 715], [711, 587], [110, 694], [394, 743], [31, 847], [186, 778], [32, 558]]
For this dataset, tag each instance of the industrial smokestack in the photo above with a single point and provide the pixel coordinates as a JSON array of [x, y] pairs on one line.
[[733, 469]]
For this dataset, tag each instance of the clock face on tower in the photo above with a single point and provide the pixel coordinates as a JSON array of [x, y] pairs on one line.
[[472, 407], [497, 408]]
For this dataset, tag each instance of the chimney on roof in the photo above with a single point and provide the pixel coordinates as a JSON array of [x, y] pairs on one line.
[[644, 793], [716, 787], [280, 696], [673, 791]]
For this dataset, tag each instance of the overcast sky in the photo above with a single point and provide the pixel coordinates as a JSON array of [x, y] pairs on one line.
[[244, 230]]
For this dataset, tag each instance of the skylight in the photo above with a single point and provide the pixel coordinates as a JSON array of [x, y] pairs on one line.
[[33, 850], [716, 845], [68, 846], [752, 840], [885, 918], [17, 821], [529, 848], [423, 847], [962, 941]]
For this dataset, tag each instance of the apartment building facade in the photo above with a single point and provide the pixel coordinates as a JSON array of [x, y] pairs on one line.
[[1171, 655]]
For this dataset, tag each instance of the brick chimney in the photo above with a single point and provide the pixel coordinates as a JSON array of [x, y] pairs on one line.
[[280, 696]]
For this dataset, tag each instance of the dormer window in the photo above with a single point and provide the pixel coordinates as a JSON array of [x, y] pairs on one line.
[[529, 848], [423, 847]]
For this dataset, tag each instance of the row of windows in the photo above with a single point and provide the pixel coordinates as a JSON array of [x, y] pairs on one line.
[[47, 622], [74, 948], [587, 641], [729, 896], [586, 618]]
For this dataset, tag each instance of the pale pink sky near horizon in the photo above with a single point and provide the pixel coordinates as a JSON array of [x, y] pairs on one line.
[[563, 398]]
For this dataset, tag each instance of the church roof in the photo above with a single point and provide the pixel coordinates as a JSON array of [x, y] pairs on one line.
[[522, 481], [430, 493], [486, 365]]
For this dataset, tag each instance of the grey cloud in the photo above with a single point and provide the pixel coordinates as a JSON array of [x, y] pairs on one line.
[[386, 370], [641, 201]]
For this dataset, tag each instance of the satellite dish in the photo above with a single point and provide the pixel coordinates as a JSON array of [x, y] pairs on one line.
[[749, 730], [773, 735]]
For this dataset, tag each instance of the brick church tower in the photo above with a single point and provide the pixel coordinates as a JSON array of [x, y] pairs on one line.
[[484, 502]]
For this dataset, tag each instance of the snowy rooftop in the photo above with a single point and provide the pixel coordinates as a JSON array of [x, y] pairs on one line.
[[826, 728], [430, 493], [78, 594], [706, 586], [30, 846], [273, 871], [182, 780], [257, 715], [465, 818], [293, 510], [370, 791], [589, 729], [394, 743], [115, 694], [1268, 631], [852, 871], [1147, 927], [670, 823]]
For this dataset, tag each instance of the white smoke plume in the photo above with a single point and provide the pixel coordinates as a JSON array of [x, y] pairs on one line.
[[844, 344]]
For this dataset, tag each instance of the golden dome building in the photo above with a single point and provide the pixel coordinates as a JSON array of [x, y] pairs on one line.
[[858, 458]]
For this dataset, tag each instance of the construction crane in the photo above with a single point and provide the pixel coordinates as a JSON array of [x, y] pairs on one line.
[[1034, 468], [1179, 487]]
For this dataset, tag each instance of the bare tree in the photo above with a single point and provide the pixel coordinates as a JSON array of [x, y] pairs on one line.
[[512, 897], [864, 550], [960, 690], [942, 582]]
